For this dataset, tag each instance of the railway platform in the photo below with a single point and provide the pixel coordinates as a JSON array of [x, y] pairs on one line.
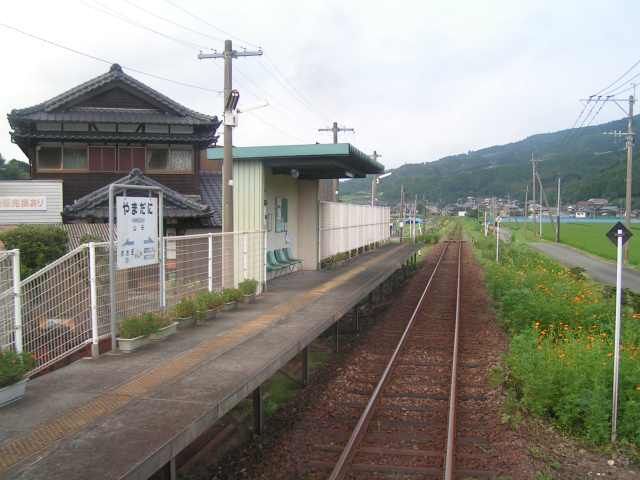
[[127, 416]]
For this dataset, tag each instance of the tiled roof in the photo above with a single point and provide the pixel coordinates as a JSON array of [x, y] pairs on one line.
[[109, 115], [211, 193], [114, 75], [114, 137], [176, 205]]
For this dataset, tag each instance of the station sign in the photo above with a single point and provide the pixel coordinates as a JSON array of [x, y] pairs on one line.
[[137, 230]]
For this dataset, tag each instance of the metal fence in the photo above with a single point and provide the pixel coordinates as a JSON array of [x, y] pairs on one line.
[[10, 332], [345, 227], [67, 305]]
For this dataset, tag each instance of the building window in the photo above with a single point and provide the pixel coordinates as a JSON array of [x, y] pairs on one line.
[[163, 159], [74, 157], [49, 157], [282, 214], [130, 158], [102, 159], [62, 157]]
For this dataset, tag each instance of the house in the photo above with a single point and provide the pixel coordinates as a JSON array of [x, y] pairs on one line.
[[113, 127]]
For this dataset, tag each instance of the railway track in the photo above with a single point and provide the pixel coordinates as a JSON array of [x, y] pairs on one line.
[[423, 418]]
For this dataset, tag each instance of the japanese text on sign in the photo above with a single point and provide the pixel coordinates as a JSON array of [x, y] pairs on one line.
[[23, 203], [137, 227]]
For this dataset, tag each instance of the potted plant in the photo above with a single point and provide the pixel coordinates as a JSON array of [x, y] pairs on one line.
[[184, 311], [13, 370], [201, 303], [248, 288], [164, 327], [134, 332], [215, 302], [231, 296]]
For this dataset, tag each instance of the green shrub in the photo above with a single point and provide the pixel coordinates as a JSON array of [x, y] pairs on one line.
[[185, 308], [559, 365], [39, 245], [139, 325], [248, 286], [14, 366], [215, 300], [231, 295], [201, 305]]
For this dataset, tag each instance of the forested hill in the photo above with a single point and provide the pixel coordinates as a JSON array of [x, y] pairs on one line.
[[591, 165]]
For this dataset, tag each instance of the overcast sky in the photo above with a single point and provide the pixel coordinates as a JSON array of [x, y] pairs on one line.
[[417, 80]]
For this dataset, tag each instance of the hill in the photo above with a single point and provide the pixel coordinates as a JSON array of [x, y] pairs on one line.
[[591, 165]]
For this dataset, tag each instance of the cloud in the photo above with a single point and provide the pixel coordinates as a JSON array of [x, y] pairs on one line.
[[417, 79]]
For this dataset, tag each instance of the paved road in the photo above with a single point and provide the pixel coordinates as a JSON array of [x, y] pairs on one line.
[[599, 270]]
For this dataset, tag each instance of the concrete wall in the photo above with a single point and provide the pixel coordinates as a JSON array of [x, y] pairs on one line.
[[51, 190]]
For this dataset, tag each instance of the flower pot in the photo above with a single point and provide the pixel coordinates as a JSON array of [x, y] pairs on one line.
[[128, 345], [230, 306], [12, 393], [213, 312], [164, 332], [249, 298], [185, 322]]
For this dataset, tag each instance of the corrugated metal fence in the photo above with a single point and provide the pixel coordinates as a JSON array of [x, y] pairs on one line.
[[345, 227]]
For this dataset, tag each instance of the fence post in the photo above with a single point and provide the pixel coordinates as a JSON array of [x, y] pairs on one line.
[[264, 261], [245, 261], [210, 263], [163, 273], [95, 350], [17, 302]]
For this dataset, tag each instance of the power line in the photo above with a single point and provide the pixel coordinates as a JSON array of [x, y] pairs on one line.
[[619, 78], [292, 88], [621, 88], [269, 124], [281, 79], [109, 62], [200, 19], [168, 20], [109, 11]]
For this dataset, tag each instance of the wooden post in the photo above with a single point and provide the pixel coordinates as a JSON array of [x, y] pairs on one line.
[[258, 413]]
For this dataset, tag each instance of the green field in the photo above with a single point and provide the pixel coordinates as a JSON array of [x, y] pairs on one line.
[[589, 237]]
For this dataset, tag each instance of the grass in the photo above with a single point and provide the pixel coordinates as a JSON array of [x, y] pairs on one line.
[[559, 365], [589, 237]]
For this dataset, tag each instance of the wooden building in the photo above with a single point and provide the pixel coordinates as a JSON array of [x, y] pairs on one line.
[[103, 129]]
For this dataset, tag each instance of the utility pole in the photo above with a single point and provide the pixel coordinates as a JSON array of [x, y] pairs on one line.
[[335, 130], [526, 212], [402, 210], [374, 180], [558, 215], [630, 136], [534, 169], [227, 165]]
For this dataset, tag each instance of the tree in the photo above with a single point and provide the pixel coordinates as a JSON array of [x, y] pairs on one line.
[[13, 169]]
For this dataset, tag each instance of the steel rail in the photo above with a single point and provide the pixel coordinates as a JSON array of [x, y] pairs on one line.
[[341, 465], [451, 427]]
